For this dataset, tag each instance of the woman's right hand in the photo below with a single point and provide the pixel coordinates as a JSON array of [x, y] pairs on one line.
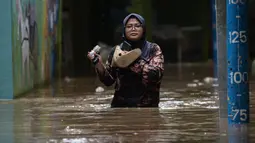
[[90, 56], [94, 58]]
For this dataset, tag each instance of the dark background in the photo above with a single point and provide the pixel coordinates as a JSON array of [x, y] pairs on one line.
[[91, 21]]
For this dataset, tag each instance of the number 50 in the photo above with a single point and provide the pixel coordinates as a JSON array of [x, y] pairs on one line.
[[237, 36]]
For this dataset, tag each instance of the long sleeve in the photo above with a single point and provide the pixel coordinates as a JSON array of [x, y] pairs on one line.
[[109, 75], [151, 71]]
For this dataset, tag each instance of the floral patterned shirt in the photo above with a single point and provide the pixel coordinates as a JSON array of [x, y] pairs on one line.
[[137, 85]]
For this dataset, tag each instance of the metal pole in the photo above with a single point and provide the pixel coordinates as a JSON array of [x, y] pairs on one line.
[[237, 58], [213, 6], [220, 6], [221, 56]]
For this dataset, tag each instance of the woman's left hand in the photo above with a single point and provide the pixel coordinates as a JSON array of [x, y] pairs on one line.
[[137, 66]]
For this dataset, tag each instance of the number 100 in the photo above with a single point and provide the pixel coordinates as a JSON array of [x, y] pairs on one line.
[[238, 77]]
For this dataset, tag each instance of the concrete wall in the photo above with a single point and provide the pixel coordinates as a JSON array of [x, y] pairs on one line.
[[35, 38], [6, 82], [30, 42]]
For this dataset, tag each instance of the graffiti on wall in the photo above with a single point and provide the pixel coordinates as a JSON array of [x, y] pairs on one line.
[[34, 41], [27, 37]]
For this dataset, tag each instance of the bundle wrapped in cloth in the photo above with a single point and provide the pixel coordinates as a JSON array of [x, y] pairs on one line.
[[123, 59]]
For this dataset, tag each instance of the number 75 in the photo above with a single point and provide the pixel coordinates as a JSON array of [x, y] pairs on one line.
[[242, 112]]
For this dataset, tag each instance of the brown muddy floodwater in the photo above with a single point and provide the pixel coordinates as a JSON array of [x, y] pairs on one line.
[[72, 112]]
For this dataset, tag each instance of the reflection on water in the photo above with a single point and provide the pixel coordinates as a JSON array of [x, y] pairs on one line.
[[73, 112], [6, 123]]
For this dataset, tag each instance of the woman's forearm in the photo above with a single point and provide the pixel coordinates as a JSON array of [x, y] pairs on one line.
[[104, 74]]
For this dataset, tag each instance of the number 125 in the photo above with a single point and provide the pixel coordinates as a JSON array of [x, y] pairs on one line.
[[237, 37]]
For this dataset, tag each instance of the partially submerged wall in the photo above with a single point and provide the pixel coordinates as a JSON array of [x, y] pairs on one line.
[[6, 82], [35, 42]]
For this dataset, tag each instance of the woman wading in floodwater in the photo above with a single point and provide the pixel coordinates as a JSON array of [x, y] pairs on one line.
[[137, 85]]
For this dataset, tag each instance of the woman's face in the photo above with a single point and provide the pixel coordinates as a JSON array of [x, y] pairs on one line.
[[133, 30]]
